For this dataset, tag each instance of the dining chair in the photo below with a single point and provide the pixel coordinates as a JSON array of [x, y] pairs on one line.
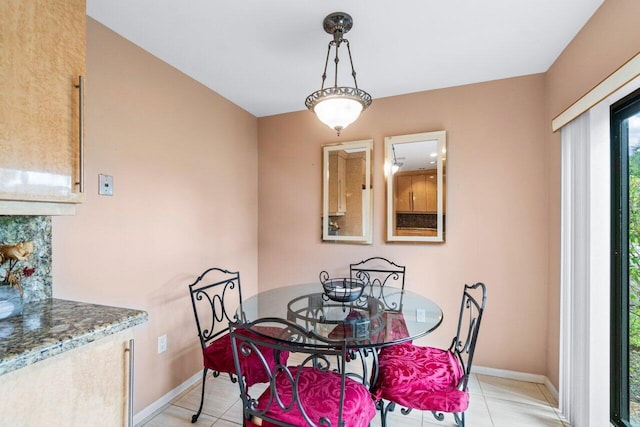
[[429, 378], [313, 392], [216, 297], [378, 273]]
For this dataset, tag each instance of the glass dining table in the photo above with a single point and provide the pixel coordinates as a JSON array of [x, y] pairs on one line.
[[381, 316]]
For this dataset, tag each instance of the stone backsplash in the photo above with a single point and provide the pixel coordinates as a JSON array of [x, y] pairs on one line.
[[15, 229], [422, 220]]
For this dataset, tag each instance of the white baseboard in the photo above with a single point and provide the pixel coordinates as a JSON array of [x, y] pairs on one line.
[[515, 375], [165, 400], [551, 388]]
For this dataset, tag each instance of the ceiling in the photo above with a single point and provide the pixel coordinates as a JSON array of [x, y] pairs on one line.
[[417, 155], [267, 56]]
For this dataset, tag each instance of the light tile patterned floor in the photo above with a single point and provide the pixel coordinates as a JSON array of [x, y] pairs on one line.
[[495, 402]]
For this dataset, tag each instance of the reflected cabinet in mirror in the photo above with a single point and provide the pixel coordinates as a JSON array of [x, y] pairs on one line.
[[415, 169], [347, 192]]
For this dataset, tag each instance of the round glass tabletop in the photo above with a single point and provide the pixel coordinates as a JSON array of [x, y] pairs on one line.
[[380, 316]]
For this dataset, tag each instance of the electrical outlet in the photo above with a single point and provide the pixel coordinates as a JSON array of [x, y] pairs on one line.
[[105, 185], [421, 315], [162, 343]]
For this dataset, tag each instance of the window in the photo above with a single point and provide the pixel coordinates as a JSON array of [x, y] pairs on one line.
[[625, 261]]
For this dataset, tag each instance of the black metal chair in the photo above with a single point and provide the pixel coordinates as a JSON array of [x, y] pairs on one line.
[[217, 298], [429, 378], [312, 393], [378, 273], [212, 295]]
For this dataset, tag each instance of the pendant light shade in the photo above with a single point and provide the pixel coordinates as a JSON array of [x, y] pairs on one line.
[[338, 113], [338, 106]]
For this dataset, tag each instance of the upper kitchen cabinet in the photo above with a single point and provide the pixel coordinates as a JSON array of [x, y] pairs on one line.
[[416, 192], [337, 185], [42, 56]]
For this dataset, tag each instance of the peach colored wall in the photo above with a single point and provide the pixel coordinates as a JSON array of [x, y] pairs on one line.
[[497, 213], [184, 162], [609, 39]]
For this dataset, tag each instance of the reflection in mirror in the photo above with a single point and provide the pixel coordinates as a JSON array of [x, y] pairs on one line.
[[415, 170], [347, 192]]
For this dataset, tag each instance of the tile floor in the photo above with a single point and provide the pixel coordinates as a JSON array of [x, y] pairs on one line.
[[495, 402]]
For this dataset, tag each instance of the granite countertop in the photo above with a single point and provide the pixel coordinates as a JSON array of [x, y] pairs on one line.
[[52, 326]]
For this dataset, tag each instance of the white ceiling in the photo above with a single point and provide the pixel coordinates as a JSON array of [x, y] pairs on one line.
[[267, 56]]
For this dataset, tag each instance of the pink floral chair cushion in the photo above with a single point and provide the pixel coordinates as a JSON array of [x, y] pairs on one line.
[[218, 356], [395, 328], [422, 378], [320, 396]]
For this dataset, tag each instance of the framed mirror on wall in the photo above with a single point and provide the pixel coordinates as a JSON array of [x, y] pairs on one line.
[[415, 171], [347, 192]]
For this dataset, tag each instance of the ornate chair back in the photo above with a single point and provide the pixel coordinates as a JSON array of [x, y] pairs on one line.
[[315, 392], [215, 296], [463, 345], [378, 273]]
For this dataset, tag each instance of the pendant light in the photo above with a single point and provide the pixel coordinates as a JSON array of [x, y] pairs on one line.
[[338, 106], [395, 167]]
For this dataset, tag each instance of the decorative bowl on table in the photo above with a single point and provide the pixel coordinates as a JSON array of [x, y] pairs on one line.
[[341, 289]]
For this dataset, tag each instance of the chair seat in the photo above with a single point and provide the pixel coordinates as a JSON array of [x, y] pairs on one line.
[[395, 328], [218, 356], [320, 396], [422, 378]]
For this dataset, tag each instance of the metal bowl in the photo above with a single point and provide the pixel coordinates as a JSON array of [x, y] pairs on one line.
[[343, 289]]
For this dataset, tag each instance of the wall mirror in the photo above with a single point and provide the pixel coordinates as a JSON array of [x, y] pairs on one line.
[[347, 201], [415, 170]]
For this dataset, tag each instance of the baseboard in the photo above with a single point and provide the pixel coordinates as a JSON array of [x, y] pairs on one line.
[[551, 388], [515, 375], [165, 400]]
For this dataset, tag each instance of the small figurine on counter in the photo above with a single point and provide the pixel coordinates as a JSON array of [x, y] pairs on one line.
[[13, 254], [19, 251]]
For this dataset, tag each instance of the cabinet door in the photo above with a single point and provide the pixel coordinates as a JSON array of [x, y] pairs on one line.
[[342, 184], [403, 193], [419, 188], [86, 386], [337, 184], [333, 183], [42, 55], [432, 193]]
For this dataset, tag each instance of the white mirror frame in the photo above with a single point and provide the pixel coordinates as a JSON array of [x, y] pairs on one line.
[[441, 140], [367, 193]]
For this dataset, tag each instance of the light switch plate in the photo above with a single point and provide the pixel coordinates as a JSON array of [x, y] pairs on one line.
[[105, 185]]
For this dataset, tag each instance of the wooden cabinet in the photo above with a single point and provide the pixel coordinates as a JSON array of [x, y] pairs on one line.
[[86, 386], [337, 183], [416, 192], [42, 55], [403, 193], [431, 192]]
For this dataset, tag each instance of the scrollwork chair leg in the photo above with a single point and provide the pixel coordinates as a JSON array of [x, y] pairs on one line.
[[459, 417], [438, 415], [384, 410], [194, 418], [405, 411]]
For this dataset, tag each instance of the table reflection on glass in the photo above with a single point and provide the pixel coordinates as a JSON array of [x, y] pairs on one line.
[[381, 316]]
